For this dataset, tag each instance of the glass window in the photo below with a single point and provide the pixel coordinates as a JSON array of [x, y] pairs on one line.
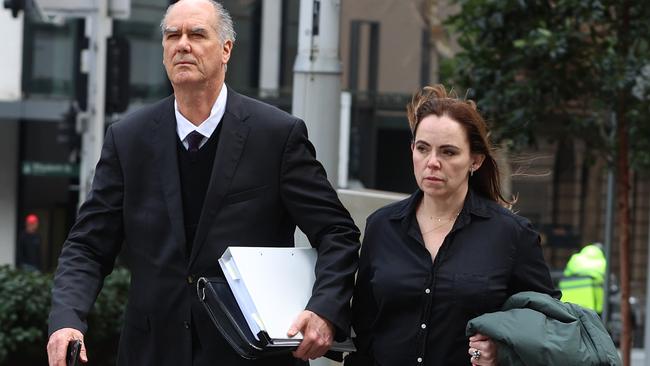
[[49, 58], [243, 67], [290, 17], [148, 80]]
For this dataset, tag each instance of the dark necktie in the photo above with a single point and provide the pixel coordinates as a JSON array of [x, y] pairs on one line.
[[194, 141]]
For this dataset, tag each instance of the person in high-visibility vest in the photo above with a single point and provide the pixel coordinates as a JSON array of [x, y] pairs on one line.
[[584, 277]]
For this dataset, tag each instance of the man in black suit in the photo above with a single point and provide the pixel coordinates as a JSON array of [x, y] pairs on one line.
[[173, 201]]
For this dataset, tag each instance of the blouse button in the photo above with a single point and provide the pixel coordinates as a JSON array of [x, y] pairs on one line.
[[419, 359], [427, 291], [423, 326]]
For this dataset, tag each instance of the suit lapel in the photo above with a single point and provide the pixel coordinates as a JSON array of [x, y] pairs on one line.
[[165, 137], [231, 145]]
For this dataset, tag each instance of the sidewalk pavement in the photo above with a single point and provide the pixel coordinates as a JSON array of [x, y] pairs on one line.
[[638, 357]]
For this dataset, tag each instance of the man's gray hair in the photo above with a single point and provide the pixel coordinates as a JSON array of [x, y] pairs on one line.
[[224, 26]]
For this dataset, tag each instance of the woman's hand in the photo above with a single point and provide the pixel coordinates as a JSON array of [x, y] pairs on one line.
[[482, 350]]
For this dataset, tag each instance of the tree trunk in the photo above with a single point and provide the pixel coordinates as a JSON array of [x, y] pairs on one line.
[[623, 206]]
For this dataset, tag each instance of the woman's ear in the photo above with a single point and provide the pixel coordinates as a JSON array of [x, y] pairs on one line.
[[477, 160]]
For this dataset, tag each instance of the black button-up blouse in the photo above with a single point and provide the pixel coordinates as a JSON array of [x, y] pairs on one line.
[[408, 310]]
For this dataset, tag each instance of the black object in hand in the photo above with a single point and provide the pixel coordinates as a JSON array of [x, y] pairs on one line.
[[72, 355]]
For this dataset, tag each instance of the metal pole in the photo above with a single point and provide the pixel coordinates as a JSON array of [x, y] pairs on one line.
[[317, 79], [98, 29], [646, 332], [344, 139]]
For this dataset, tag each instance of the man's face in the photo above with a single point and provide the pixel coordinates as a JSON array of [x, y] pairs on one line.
[[31, 227], [192, 51]]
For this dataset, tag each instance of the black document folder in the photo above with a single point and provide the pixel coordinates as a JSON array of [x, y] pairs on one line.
[[220, 303]]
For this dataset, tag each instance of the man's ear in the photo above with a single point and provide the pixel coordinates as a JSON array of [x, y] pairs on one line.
[[227, 49]]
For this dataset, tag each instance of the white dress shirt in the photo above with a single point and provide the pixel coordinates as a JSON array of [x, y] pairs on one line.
[[184, 127]]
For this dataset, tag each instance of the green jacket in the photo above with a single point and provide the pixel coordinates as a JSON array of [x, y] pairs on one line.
[[536, 329]]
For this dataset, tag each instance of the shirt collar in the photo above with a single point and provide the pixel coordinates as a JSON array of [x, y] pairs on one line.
[[474, 204], [184, 127]]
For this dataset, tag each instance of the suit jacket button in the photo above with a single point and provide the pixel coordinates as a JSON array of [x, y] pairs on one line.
[[186, 324], [190, 279]]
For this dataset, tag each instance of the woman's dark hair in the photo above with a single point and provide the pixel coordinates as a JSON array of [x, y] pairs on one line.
[[434, 100]]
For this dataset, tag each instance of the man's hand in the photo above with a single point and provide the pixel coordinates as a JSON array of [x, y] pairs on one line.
[[317, 335], [57, 346]]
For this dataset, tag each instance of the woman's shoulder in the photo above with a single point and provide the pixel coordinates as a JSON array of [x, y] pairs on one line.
[[391, 210], [505, 215]]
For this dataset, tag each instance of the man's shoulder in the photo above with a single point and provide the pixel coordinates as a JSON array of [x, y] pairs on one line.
[[143, 115], [259, 111]]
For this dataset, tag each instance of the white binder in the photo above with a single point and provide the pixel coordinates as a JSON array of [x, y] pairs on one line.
[[272, 287]]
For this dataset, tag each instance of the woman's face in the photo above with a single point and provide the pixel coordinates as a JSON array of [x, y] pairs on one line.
[[442, 158]]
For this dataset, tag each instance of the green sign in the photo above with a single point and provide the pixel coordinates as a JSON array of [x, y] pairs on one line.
[[37, 168]]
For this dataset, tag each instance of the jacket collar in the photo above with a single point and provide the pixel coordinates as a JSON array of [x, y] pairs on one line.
[[164, 144]]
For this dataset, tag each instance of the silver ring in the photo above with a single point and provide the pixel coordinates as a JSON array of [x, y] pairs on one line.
[[476, 354]]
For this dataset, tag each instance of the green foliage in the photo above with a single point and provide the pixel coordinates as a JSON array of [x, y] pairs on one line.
[[25, 306], [23, 310], [556, 68]]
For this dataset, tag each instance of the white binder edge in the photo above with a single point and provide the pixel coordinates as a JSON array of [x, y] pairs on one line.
[[241, 294]]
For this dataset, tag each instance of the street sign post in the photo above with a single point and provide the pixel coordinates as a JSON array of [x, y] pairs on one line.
[[91, 122]]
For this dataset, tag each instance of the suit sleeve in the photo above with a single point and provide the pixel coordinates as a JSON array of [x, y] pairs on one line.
[[88, 254], [364, 306], [315, 208], [530, 271]]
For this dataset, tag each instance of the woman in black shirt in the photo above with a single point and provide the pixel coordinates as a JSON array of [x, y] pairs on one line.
[[448, 253]]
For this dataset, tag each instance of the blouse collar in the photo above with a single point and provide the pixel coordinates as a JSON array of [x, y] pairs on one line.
[[474, 204]]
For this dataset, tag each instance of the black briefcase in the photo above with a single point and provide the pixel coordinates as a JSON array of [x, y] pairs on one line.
[[220, 303]]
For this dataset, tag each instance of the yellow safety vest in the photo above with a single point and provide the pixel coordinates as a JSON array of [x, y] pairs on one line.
[[584, 277]]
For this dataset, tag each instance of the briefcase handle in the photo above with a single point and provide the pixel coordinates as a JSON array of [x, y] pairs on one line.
[[200, 288]]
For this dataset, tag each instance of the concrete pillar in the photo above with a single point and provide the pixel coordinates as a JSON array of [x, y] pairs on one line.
[[270, 48], [11, 63], [8, 189], [317, 87], [317, 79], [98, 29]]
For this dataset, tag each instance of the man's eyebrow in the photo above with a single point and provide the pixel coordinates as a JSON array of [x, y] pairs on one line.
[[198, 30], [169, 30]]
